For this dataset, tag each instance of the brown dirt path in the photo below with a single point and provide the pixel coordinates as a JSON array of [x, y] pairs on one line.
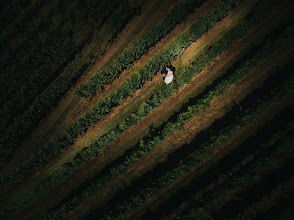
[[218, 109], [68, 109], [235, 141]]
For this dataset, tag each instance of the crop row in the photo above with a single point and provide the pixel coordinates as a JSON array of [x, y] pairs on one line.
[[154, 33], [23, 124], [142, 150], [156, 182], [10, 83], [34, 162], [251, 173], [195, 159]]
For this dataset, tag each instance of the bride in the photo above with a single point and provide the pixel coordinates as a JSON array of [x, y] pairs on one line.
[[167, 74]]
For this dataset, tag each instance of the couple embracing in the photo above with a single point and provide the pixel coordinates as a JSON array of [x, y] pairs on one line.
[[167, 73]]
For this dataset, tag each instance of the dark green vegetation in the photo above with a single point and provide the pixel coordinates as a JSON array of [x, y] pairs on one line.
[[209, 157]]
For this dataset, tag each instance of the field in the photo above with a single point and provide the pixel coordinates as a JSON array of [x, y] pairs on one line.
[[89, 130]]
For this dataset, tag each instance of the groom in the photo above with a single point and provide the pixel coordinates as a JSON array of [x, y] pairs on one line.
[[164, 71]]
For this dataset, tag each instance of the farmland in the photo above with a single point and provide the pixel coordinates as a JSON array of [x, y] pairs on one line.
[[89, 130]]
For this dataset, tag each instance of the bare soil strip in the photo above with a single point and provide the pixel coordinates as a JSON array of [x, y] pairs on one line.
[[217, 109]]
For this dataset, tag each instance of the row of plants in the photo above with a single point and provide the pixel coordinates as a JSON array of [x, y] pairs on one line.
[[128, 160], [195, 159], [28, 119], [148, 187], [251, 173], [35, 161], [24, 123], [154, 33], [114, 25]]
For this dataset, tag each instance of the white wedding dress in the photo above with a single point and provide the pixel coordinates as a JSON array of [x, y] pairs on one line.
[[168, 79]]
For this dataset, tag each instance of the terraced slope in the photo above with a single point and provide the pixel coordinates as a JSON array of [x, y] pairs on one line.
[[131, 147]]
